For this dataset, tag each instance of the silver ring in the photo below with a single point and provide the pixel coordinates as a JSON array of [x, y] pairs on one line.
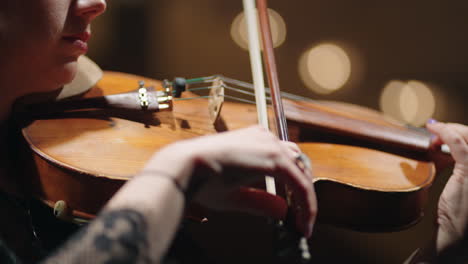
[[302, 161]]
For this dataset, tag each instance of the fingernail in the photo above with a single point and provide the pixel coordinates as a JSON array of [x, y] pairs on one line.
[[431, 121]]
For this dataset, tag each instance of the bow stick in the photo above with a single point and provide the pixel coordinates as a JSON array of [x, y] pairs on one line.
[[257, 74], [256, 64]]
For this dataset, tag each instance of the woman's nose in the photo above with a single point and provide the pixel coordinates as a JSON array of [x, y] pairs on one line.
[[90, 9]]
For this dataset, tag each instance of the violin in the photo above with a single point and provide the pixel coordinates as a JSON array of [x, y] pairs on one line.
[[82, 157]]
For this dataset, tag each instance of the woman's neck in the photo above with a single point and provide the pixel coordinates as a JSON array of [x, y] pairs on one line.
[[6, 103], [6, 129], [6, 179], [11, 87]]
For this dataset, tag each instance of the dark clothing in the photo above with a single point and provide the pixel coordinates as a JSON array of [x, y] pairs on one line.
[[6, 255], [30, 232]]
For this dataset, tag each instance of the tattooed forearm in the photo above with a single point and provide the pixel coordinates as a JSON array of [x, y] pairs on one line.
[[115, 237]]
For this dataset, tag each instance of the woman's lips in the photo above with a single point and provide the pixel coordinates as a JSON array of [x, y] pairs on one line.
[[79, 41]]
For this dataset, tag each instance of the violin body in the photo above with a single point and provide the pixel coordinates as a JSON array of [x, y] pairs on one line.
[[367, 189], [83, 157]]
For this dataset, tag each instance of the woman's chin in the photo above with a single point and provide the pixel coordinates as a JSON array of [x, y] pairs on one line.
[[67, 73], [57, 77]]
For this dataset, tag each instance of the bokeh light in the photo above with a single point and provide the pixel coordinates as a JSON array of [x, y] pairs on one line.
[[325, 68], [239, 30], [411, 102]]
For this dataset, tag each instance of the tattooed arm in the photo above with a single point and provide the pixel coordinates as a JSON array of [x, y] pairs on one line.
[[134, 228]]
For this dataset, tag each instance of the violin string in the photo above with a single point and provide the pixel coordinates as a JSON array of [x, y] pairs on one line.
[[209, 96], [225, 86], [202, 79], [192, 98], [241, 87], [239, 90], [240, 99], [245, 85], [201, 88]]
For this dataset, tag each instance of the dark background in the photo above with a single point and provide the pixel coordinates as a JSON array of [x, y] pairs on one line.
[[390, 40]]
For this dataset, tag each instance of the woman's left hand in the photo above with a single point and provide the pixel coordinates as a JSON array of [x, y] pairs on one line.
[[452, 215]]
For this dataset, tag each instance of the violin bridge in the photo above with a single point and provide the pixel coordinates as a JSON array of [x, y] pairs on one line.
[[216, 99]]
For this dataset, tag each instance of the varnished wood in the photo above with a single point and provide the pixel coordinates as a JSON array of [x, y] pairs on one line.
[[368, 189], [83, 157], [358, 122]]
